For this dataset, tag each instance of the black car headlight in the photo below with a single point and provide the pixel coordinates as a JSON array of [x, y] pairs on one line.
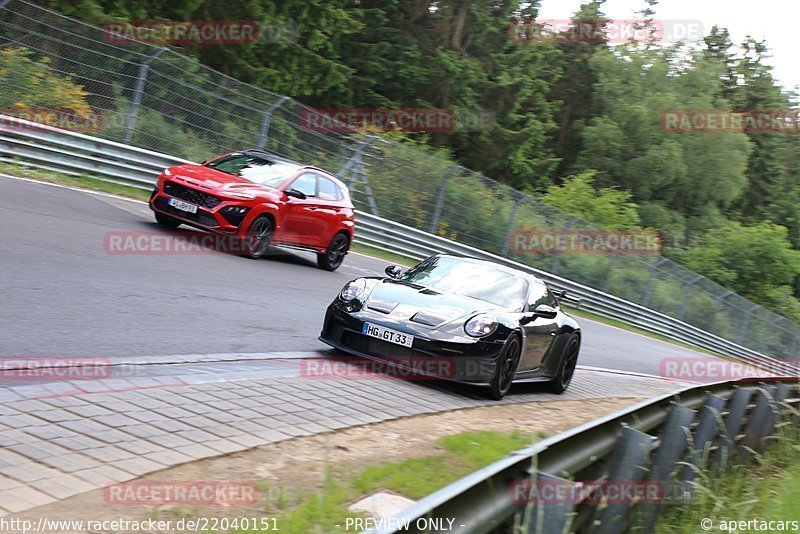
[[481, 325], [353, 290]]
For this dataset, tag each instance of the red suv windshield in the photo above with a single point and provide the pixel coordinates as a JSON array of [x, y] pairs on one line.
[[257, 169]]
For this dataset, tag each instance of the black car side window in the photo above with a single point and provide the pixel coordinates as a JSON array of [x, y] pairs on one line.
[[540, 295]]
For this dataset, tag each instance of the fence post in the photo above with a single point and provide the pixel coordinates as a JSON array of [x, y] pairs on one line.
[[717, 304], [612, 258], [557, 257], [651, 274], [262, 136], [686, 294], [355, 167], [136, 100], [746, 322], [512, 221], [437, 210]]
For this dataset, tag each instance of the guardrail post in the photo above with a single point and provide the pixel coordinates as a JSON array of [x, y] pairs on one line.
[[627, 464], [737, 408], [512, 221], [775, 406], [751, 442], [673, 443], [557, 256], [262, 136], [136, 100], [649, 286], [548, 516], [709, 425], [440, 196]]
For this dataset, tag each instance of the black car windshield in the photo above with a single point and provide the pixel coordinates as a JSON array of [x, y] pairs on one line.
[[261, 170], [477, 280]]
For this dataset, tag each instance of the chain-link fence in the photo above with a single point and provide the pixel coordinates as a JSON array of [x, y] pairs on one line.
[[155, 98]]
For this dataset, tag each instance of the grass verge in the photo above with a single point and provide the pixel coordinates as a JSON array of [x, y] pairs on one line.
[[83, 181], [415, 478], [577, 312], [766, 491]]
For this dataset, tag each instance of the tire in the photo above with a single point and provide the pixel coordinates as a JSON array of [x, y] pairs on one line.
[[566, 367], [167, 221], [258, 237], [506, 368], [332, 258]]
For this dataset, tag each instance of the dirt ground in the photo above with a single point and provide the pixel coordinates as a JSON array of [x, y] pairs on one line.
[[286, 470]]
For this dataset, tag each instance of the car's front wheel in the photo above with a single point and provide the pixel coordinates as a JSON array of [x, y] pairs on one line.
[[332, 258], [566, 367], [258, 237], [506, 369], [167, 221]]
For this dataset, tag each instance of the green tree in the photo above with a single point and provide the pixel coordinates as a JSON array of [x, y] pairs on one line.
[[30, 83], [756, 261], [607, 207]]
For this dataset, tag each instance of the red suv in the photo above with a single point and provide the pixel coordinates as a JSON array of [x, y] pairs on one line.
[[262, 199]]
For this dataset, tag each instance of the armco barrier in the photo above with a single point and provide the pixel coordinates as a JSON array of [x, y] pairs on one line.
[[34, 144], [660, 443]]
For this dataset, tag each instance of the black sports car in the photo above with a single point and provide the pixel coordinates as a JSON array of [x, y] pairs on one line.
[[460, 319]]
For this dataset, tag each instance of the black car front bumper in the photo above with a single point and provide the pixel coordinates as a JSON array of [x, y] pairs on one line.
[[436, 356]]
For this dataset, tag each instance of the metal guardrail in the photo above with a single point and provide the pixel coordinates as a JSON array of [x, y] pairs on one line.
[[34, 144], [659, 444], [416, 244]]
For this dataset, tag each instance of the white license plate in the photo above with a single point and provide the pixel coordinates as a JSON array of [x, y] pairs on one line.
[[387, 334], [181, 205]]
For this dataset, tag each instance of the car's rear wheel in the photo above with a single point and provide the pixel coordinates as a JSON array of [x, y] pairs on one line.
[[258, 237], [566, 368], [167, 221], [332, 258], [506, 369]]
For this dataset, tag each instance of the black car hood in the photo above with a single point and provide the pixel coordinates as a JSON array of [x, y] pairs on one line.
[[405, 301]]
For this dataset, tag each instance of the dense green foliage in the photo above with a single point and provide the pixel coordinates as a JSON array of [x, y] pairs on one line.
[[585, 116]]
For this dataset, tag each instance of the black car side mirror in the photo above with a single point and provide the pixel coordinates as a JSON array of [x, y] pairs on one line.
[[393, 271], [563, 295], [542, 310], [296, 194]]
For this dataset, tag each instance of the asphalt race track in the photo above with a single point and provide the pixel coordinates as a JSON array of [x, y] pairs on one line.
[[64, 295]]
